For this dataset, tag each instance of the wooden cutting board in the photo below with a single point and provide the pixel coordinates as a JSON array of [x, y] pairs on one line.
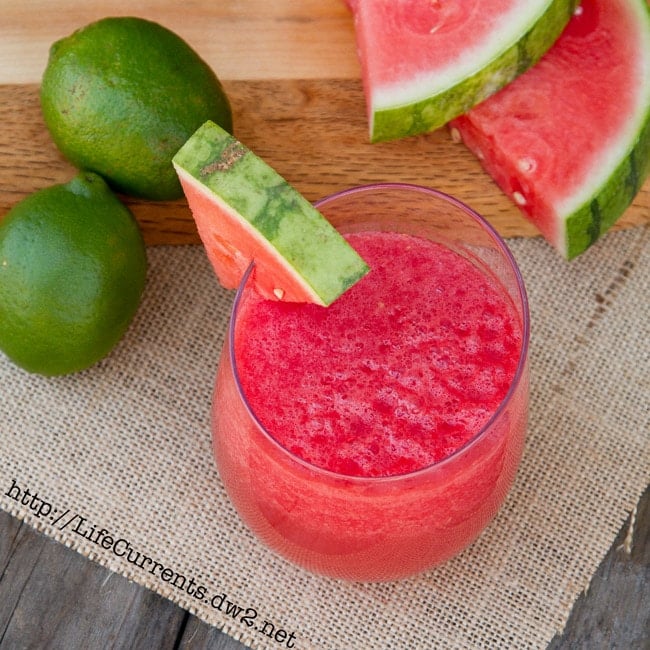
[[291, 72]]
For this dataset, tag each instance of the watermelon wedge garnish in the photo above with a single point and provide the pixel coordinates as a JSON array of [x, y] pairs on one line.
[[246, 212], [426, 61], [569, 141]]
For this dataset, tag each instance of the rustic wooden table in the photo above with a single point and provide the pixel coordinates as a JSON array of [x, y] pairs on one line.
[[52, 597], [291, 71]]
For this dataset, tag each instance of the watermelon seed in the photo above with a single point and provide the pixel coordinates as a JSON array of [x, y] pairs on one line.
[[526, 165], [519, 198], [278, 293], [455, 135]]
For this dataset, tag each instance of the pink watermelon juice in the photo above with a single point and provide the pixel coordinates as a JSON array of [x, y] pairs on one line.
[[376, 437]]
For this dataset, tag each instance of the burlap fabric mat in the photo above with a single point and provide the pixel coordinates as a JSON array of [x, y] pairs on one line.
[[125, 447]]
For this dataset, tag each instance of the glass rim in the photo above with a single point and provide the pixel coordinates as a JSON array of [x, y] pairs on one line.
[[487, 426]]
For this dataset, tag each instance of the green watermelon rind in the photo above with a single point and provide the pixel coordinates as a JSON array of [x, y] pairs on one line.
[[435, 111], [608, 202], [296, 234]]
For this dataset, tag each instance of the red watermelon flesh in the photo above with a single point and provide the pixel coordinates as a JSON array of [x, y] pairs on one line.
[[417, 36], [231, 246], [569, 140]]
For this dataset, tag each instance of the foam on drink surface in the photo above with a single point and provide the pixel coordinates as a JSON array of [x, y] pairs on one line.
[[398, 373]]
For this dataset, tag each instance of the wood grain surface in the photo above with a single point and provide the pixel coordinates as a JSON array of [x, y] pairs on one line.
[[313, 132], [54, 598], [291, 71], [239, 39]]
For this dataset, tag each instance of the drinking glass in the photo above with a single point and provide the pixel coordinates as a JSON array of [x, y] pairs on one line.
[[380, 528]]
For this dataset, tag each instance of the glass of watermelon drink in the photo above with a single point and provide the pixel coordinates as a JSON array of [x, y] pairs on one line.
[[375, 438]]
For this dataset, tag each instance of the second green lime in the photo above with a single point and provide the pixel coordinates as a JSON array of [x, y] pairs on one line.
[[122, 95], [72, 272]]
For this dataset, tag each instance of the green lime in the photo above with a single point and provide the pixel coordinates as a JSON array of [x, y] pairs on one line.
[[72, 272], [122, 95]]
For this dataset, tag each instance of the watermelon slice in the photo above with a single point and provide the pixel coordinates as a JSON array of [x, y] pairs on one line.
[[426, 61], [569, 141], [245, 211]]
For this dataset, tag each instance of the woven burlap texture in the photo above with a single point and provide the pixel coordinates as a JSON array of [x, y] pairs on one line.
[[125, 447]]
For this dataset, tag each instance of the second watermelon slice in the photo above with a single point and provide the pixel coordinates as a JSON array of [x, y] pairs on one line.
[[569, 140]]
